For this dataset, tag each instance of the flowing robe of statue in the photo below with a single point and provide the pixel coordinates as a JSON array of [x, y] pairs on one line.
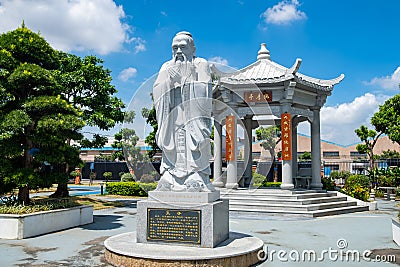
[[183, 111]]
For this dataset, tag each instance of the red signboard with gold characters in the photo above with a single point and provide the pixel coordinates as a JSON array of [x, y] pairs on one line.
[[230, 137], [286, 131]]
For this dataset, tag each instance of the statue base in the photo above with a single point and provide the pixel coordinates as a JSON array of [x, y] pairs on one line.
[[196, 222], [183, 229], [184, 197], [239, 250]]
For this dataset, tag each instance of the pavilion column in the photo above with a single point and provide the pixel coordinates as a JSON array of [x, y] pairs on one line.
[[316, 150], [294, 148], [218, 155], [287, 166], [287, 179], [231, 168], [248, 152]]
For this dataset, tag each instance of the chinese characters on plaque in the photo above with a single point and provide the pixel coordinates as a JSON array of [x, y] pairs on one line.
[[258, 96], [230, 137], [286, 131], [174, 225]]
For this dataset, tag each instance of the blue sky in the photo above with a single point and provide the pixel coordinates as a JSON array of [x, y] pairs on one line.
[[358, 38]]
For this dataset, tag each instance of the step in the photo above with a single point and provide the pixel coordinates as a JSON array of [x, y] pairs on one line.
[[267, 200], [279, 196], [309, 203], [327, 212], [312, 207], [337, 211], [276, 211], [268, 191]]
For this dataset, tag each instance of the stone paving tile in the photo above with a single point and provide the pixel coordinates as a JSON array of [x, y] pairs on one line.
[[84, 246]]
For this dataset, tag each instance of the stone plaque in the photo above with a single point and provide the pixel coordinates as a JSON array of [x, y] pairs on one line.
[[174, 225]]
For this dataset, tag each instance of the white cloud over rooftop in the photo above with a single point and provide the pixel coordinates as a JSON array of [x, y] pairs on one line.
[[72, 25], [284, 12]]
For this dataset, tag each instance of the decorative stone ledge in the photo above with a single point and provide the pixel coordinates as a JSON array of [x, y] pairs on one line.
[[38, 223]]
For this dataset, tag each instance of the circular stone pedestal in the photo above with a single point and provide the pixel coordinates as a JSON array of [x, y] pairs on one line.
[[240, 250]]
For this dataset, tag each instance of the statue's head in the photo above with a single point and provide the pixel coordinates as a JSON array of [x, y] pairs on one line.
[[183, 47]]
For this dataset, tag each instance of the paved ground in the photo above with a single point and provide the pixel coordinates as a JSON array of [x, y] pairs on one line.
[[83, 246]]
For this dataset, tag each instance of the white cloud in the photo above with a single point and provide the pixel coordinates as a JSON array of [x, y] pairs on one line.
[[218, 60], [70, 25], [164, 13], [139, 44], [284, 12], [339, 122], [388, 82], [126, 74]]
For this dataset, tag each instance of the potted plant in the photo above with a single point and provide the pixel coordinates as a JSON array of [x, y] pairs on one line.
[[76, 175]]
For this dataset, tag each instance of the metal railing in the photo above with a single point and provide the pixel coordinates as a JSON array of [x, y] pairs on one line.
[[357, 166]]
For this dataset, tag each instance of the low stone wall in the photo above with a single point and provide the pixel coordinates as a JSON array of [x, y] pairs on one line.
[[38, 223]]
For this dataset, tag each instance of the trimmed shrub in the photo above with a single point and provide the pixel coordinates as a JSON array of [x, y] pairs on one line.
[[258, 179], [127, 177], [130, 188], [328, 183], [357, 186], [148, 186], [107, 175]]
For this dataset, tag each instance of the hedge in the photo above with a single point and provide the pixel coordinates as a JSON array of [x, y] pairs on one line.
[[130, 188], [271, 184]]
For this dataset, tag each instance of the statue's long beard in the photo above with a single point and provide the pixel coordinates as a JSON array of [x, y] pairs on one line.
[[182, 65], [178, 58]]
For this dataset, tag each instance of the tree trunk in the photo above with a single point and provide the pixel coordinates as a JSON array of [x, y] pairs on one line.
[[62, 191], [23, 195], [371, 161]]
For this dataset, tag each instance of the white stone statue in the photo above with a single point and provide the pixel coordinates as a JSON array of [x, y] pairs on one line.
[[183, 102]]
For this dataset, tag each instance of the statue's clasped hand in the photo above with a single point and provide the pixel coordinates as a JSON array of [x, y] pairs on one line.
[[174, 75]]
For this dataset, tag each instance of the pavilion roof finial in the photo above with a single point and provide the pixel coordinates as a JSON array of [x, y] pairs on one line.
[[263, 53]]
